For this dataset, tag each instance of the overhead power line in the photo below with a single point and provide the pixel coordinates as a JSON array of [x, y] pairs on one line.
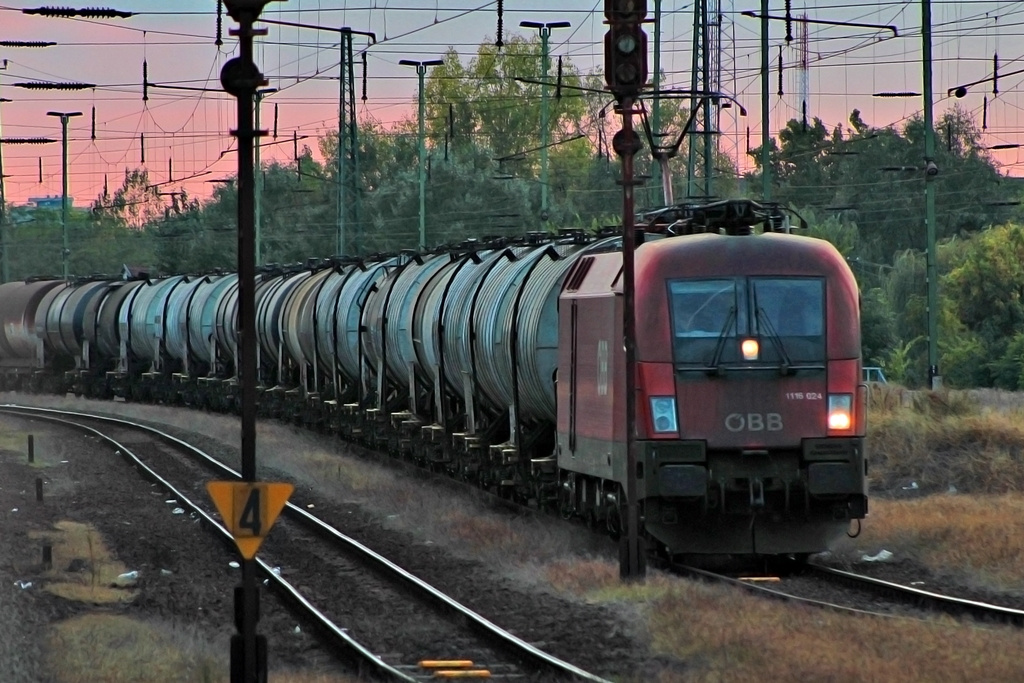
[[88, 13]]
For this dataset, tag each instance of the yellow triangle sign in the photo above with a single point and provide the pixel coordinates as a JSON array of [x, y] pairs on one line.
[[249, 509]]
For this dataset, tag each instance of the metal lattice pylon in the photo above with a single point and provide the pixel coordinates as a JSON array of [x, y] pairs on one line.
[[705, 77], [349, 228]]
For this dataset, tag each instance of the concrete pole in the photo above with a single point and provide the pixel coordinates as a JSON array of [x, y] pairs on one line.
[[934, 378], [65, 252], [766, 172], [4, 269], [545, 133], [258, 186], [656, 106], [421, 71]]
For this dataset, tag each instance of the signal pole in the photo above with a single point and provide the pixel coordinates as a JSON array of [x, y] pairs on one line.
[[625, 46], [241, 78], [421, 70]]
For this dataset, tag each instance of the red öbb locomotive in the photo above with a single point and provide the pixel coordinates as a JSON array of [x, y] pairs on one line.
[[750, 408]]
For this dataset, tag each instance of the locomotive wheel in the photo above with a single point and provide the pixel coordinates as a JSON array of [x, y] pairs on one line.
[[785, 565]]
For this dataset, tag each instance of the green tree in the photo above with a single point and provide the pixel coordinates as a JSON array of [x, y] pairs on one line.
[[136, 203], [985, 287]]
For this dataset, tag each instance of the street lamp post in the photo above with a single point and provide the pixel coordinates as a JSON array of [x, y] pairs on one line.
[[421, 70], [545, 33], [65, 253]]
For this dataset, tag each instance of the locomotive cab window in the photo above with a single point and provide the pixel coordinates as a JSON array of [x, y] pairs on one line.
[[792, 312], [711, 319]]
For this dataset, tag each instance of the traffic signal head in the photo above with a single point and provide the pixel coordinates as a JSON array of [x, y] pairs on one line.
[[625, 47]]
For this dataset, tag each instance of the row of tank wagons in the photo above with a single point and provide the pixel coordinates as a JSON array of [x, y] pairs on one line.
[[497, 307]]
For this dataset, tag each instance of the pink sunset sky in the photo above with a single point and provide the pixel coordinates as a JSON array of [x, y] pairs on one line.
[[186, 131]]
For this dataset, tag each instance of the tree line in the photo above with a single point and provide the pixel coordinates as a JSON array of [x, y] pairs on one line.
[[860, 186]]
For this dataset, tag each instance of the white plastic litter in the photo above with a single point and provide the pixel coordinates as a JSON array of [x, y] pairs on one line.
[[912, 487], [277, 571], [882, 556], [127, 579], [14, 509], [171, 501], [165, 572], [951, 490], [310, 506], [178, 511], [297, 630], [234, 565], [23, 584]]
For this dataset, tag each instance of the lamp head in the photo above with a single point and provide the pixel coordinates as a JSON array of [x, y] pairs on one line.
[[240, 8]]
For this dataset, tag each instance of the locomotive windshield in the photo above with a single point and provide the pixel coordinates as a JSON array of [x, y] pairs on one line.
[[787, 316]]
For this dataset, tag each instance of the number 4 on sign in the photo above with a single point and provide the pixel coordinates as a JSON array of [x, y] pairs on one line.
[[249, 509]]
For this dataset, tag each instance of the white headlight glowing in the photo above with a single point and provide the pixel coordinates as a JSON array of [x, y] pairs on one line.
[[840, 411]]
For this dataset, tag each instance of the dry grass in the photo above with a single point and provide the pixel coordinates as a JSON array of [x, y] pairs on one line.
[[724, 635], [94, 646], [712, 633], [20, 654], [115, 649], [977, 538], [942, 440]]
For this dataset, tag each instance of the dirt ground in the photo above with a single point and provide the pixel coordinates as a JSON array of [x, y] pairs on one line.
[[102, 520]]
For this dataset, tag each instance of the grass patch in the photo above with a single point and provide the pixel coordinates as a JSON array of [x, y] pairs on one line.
[[978, 537], [116, 649], [726, 635], [83, 568], [13, 442], [942, 440]]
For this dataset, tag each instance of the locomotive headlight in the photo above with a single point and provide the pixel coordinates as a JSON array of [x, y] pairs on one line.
[[663, 414], [750, 349], [840, 411]]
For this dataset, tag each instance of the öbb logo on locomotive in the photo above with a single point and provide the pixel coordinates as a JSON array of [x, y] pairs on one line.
[[754, 422], [500, 363]]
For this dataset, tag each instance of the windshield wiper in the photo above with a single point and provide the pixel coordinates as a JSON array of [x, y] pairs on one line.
[[762, 320], [713, 368]]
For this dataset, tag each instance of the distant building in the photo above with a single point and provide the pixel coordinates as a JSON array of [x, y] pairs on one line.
[[48, 202]]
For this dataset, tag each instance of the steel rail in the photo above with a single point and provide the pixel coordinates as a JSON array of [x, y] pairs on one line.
[[938, 601], [293, 511], [772, 593], [148, 473]]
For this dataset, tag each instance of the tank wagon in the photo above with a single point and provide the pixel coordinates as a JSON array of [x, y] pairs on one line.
[[502, 363]]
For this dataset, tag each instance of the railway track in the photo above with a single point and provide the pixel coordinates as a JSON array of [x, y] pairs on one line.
[[859, 594], [422, 615]]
